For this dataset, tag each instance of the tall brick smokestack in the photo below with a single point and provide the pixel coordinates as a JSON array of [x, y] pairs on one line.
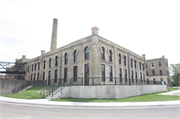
[[54, 35]]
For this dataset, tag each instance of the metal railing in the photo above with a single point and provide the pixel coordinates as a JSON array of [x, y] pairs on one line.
[[47, 91], [111, 81], [20, 88]]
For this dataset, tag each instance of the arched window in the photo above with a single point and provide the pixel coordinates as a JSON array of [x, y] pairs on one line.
[[147, 81], [65, 58], [56, 61], [110, 55], [140, 65], [50, 62], [119, 58], [102, 53], [143, 67], [28, 69], [75, 56], [154, 81], [44, 64], [32, 67], [135, 63], [86, 53], [35, 66], [131, 62], [124, 60], [38, 66]]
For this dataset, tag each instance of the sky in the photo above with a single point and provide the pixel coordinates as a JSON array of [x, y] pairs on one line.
[[150, 27]]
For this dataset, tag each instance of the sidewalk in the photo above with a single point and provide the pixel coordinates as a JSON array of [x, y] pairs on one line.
[[47, 102]]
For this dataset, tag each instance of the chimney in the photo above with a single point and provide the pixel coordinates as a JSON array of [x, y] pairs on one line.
[[42, 52], [163, 56], [54, 35], [143, 55], [94, 30], [23, 56]]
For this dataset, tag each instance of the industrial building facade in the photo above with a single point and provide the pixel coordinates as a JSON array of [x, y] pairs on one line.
[[91, 56]]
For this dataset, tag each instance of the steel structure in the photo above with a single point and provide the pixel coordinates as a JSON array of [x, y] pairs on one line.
[[12, 67]]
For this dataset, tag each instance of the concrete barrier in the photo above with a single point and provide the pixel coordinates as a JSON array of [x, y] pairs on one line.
[[114, 91], [7, 85]]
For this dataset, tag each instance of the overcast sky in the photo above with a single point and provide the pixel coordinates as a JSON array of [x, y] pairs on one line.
[[150, 27]]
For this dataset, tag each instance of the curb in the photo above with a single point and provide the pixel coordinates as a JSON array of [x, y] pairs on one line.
[[91, 105]]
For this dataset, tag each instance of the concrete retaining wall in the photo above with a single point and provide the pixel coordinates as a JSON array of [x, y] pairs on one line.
[[7, 85], [117, 91]]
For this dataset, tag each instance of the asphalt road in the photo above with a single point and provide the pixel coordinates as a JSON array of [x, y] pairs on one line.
[[17, 111]]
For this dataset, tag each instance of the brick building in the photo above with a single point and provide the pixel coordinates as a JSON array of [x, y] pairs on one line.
[[91, 56]]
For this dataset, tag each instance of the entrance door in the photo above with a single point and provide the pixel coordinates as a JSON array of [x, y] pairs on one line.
[[86, 74]]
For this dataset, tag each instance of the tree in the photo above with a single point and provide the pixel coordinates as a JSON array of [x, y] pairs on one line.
[[175, 69]]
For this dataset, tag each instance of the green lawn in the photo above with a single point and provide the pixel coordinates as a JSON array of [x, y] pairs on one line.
[[31, 93], [34, 93], [141, 98]]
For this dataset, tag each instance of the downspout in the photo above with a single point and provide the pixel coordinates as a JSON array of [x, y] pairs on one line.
[[60, 64], [129, 68], [29, 69]]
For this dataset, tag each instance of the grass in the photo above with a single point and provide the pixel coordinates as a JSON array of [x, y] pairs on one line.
[[31, 93], [34, 93], [141, 98]]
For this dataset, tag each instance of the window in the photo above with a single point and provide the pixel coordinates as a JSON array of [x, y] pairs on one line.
[[38, 66], [110, 73], [161, 79], [110, 55], [65, 74], [31, 76], [103, 72], [120, 72], [124, 60], [147, 73], [146, 65], [159, 63], [125, 74], [35, 67], [153, 72], [119, 58], [34, 76], [131, 62], [143, 67], [136, 75], [86, 53], [65, 58], [154, 81], [49, 76], [147, 81], [140, 65], [160, 71], [56, 61], [44, 64], [135, 63], [50, 62], [141, 75], [132, 76], [152, 64], [32, 67], [43, 75], [28, 69], [75, 56], [75, 73], [102, 54], [55, 76], [37, 76]]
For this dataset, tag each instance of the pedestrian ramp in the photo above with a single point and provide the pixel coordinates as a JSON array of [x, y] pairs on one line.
[[61, 92]]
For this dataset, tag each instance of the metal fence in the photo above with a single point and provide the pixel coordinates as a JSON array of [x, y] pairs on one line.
[[111, 81], [96, 81]]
